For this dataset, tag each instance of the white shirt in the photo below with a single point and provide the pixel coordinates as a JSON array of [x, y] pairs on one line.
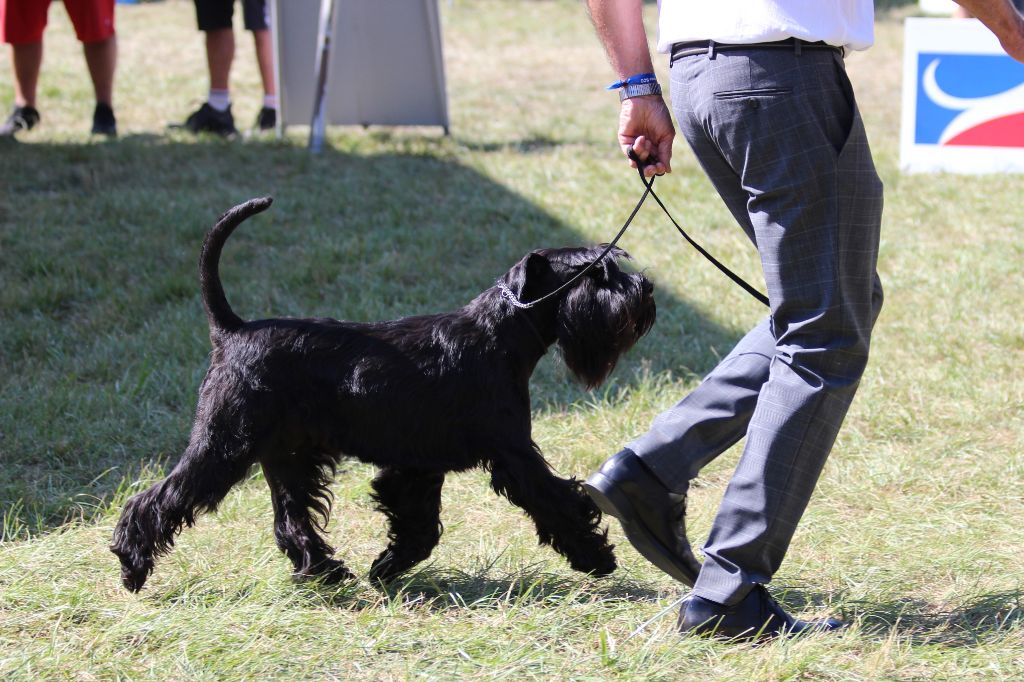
[[846, 23]]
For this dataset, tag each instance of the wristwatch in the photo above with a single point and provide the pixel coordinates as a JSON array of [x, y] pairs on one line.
[[639, 90]]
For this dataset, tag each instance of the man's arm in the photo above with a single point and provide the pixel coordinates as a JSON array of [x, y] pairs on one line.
[[644, 122], [1002, 18]]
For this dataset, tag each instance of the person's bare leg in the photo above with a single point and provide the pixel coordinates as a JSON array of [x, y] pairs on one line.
[[102, 60], [27, 60], [265, 59], [220, 52]]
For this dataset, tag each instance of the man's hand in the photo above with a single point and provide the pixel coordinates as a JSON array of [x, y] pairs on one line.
[[646, 125], [1002, 18], [1013, 42], [644, 122]]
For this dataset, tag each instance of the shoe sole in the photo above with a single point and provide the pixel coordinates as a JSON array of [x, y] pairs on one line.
[[610, 500]]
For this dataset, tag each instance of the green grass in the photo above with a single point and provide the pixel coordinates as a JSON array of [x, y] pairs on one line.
[[914, 533]]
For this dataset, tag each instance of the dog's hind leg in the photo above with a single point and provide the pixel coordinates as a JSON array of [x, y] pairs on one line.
[[302, 506], [150, 520], [564, 515], [412, 502]]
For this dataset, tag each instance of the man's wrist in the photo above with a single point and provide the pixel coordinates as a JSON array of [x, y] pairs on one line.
[[637, 85], [630, 91], [635, 79]]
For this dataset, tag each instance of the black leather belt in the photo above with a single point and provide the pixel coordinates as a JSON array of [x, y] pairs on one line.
[[710, 47]]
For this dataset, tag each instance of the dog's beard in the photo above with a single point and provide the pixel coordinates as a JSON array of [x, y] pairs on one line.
[[597, 324]]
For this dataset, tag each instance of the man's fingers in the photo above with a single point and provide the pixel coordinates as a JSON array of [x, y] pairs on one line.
[[665, 155]]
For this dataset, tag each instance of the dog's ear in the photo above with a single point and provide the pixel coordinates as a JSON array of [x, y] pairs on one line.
[[527, 274], [588, 331], [615, 254], [599, 320], [607, 267]]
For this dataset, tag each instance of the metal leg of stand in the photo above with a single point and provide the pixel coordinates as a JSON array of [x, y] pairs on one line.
[[317, 126]]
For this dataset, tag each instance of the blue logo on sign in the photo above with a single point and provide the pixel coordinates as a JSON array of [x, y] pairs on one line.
[[969, 99]]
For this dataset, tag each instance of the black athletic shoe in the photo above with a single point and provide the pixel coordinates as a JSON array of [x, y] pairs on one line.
[[21, 118], [103, 121], [208, 120], [266, 119]]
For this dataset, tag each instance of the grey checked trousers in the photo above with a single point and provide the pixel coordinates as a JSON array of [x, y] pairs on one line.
[[779, 135]]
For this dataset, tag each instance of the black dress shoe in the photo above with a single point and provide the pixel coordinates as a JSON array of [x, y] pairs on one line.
[[757, 616], [653, 518]]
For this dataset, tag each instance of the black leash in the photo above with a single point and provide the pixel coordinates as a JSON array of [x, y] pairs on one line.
[[648, 190], [640, 165]]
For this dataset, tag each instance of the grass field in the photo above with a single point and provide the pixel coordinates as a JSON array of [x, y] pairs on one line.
[[914, 534]]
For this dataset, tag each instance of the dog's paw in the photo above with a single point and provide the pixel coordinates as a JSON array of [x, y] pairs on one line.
[[134, 574], [597, 563], [599, 569], [390, 565], [328, 571]]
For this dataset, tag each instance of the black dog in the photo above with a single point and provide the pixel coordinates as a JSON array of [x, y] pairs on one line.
[[418, 397]]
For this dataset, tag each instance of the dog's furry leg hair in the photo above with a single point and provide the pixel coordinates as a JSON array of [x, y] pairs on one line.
[[302, 507], [151, 519], [411, 500], [223, 445], [565, 516]]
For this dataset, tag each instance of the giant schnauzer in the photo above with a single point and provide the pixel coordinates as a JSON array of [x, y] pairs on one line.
[[418, 397]]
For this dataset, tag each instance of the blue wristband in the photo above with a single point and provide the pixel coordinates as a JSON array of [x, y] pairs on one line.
[[638, 79]]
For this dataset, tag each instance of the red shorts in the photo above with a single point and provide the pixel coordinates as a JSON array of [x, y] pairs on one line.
[[23, 21]]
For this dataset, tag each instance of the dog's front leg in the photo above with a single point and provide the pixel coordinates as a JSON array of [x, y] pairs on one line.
[[412, 502], [564, 515]]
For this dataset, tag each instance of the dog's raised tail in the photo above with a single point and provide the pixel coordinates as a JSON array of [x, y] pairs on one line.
[[220, 315]]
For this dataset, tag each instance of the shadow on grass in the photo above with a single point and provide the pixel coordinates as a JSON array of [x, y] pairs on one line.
[[104, 340], [455, 590], [967, 624]]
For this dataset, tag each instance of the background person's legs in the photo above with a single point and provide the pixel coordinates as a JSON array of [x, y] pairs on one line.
[[101, 58], [94, 26], [257, 20], [214, 19], [220, 53], [265, 58], [27, 60], [21, 26]]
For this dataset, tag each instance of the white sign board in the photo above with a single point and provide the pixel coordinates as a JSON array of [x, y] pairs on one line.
[[384, 64], [295, 50], [963, 100], [945, 7]]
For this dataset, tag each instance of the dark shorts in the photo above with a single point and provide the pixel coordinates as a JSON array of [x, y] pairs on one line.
[[216, 14]]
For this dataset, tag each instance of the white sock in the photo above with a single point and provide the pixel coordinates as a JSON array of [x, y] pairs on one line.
[[270, 101], [219, 99]]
